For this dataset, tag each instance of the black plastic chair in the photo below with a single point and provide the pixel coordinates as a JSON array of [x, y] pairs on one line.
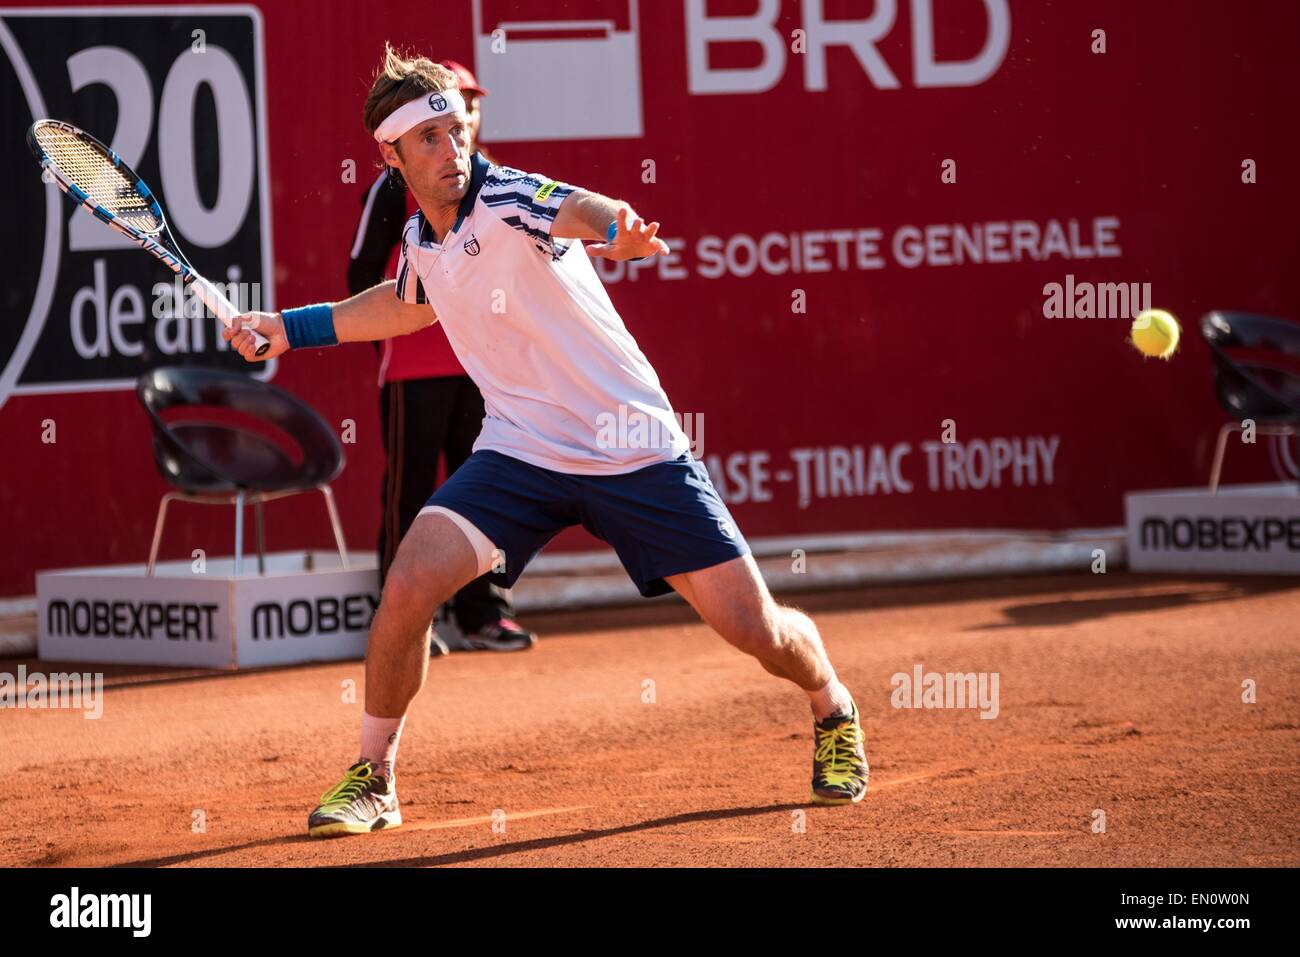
[[1256, 375], [214, 462]]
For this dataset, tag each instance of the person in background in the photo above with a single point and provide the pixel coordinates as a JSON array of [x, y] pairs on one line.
[[428, 408]]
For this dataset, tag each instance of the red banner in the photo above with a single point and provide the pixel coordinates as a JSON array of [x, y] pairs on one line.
[[909, 237]]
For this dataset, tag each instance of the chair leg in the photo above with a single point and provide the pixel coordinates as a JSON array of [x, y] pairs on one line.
[[334, 523], [1216, 470], [239, 533], [157, 532], [261, 537]]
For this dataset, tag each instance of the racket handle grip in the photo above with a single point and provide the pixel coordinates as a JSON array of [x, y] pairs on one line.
[[224, 309]]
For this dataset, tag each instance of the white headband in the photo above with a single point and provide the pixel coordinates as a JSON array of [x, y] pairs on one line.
[[412, 114]]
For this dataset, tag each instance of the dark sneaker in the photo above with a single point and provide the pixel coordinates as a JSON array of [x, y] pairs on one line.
[[839, 760], [502, 635], [363, 801]]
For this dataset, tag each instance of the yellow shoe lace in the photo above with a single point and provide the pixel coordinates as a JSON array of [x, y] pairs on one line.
[[837, 754], [354, 783]]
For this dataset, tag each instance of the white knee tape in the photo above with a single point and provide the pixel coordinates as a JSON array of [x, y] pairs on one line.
[[484, 550]]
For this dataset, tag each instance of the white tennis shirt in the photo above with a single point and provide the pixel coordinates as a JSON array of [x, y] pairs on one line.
[[564, 383]]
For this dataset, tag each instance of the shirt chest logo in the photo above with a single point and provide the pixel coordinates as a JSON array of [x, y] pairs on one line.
[[472, 246]]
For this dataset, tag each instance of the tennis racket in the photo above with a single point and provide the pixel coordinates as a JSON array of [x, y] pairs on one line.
[[108, 189]]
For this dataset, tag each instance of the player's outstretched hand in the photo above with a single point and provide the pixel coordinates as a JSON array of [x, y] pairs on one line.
[[635, 239], [268, 324]]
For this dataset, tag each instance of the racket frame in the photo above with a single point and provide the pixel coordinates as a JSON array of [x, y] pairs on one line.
[[160, 243]]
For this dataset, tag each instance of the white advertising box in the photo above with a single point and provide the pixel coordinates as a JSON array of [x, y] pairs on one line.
[[306, 607], [562, 79], [1244, 528]]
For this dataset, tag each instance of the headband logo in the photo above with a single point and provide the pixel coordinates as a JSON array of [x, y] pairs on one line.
[[437, 103]]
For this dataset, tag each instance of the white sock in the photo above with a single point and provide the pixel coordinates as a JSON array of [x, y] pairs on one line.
[[832, 699], [379, 739]]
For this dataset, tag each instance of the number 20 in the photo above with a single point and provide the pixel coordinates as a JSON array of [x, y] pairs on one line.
[[124, 74]]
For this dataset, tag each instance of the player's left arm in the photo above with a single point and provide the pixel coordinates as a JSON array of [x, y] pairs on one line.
[[588, 215]]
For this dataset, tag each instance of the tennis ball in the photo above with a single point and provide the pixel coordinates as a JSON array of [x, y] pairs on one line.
[[1155, 333]]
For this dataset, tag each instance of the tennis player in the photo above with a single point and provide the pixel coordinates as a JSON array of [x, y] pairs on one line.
[[498, 255], [429, 409]]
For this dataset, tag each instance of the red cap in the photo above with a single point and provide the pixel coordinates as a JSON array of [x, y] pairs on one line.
[[468, 82]]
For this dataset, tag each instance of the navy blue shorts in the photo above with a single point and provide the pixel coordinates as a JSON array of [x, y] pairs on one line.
[[664, 519]]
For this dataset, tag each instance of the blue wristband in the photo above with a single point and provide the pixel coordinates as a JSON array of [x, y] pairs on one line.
[[309, 326]]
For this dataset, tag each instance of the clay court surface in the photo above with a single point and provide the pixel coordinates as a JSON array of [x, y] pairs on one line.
[[1117, 692]]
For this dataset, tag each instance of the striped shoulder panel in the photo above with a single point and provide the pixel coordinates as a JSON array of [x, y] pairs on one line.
[[533, 194], [405, 291], [410, 237], [527, 202]]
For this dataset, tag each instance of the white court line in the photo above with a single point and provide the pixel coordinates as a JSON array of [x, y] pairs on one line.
[[486, 819]]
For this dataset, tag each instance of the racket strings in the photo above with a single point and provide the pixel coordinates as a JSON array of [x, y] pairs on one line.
[[98, 177]]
